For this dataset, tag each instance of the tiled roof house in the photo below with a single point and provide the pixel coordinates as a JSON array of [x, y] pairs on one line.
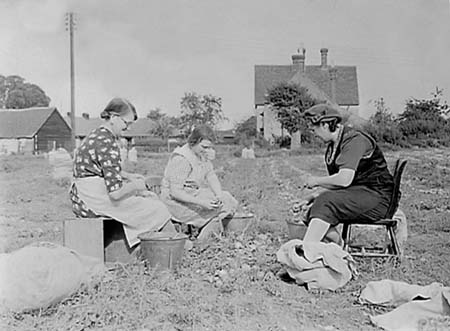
[[336, 85]]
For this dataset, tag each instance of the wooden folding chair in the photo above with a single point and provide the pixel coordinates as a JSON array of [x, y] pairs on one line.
[[388, 222]]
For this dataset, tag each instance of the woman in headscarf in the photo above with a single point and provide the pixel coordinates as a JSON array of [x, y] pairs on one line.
[[190, 187], [358, 185], [100, 186]]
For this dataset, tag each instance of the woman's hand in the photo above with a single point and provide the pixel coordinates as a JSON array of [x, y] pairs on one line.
[[311, 182], [301, 206], [147, 194], [210, 204]]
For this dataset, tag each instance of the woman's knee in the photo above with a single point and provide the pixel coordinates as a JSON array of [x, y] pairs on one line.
[[229, 201]]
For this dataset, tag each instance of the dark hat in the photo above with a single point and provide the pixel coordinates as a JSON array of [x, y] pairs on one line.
[[322, 112]]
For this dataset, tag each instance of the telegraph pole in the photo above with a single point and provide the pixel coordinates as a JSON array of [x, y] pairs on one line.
[[70, 26]]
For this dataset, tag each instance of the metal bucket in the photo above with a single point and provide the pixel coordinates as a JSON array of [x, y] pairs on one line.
[[162, 250], [296, 230], [239, 223]]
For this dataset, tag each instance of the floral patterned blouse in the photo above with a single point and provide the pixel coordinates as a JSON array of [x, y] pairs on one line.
[[98, 155]]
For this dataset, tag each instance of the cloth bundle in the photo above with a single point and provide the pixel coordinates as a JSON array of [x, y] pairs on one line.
[[415, 305], [43, 274], [318, 265]]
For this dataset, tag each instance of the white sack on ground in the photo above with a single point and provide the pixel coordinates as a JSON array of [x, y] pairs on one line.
[[401, 230], [43, 274], [388, 292], [416, 304], [319, 265]]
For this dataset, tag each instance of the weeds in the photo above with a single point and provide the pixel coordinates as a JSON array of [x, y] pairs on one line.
[[229, 283]]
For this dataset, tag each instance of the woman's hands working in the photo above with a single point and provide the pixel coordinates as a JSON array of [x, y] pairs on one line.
[[210, 204], [341, 179], [302, 205]]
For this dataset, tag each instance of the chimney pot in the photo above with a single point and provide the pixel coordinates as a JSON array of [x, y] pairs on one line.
[[299, 60]]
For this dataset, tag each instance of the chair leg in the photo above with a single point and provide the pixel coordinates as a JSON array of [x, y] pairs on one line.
[[345, 235], [395, 248]]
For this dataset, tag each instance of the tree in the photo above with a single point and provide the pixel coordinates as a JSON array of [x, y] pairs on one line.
[[15, 93], [383, 125], [290, 101], [164, 124], [423, 118], [155, 114], [246, 129], [200, 109]]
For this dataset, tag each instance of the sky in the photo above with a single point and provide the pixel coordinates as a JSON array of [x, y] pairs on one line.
[[153, 52]]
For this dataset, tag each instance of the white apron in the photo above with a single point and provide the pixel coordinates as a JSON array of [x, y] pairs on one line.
[[137, 214], [191, 213]]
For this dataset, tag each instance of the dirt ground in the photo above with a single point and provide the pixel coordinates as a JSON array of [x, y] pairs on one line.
[[231, 283]]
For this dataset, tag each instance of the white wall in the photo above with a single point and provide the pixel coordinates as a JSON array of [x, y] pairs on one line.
[[12, 145]]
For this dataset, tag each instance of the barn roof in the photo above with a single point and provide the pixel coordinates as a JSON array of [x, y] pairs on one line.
[[84, 126], [142, 127], [23, 123]]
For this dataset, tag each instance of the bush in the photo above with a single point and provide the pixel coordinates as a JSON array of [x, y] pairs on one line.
[[385, 132], [283, 142], [423, 123], [263, 143], [246, 130]]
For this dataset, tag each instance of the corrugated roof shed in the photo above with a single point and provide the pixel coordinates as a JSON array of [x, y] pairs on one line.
[[23, 123], [84, 126], [142, 127]]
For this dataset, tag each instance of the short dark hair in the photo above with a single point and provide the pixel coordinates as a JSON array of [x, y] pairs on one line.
[[119, 107], [333, 123], [200, 133]]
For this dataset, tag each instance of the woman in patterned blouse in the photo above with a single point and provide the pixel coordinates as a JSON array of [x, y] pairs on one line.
[[100, 186], [191, 189]]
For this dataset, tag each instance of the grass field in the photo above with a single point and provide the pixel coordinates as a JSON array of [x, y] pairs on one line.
[[227, 284]]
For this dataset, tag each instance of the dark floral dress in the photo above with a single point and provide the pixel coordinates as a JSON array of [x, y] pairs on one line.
[[98, 155]]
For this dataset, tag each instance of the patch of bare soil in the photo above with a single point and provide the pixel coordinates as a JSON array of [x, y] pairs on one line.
[[228, 283]]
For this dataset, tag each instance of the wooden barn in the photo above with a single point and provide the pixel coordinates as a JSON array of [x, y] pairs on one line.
[[139, 132], [33, 130]]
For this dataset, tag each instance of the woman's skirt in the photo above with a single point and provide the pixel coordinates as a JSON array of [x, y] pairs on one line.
[[196, 215], [137, 214], [350, 203]]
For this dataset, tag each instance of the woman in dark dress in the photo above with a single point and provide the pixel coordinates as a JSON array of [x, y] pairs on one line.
[[358, 185]]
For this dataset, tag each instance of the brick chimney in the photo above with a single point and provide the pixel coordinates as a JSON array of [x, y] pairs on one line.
[[85, 116], [299, 59], [333, 77], [323, 56]]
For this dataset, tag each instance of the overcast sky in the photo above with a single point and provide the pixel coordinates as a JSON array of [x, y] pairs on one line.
[[152, 52]]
